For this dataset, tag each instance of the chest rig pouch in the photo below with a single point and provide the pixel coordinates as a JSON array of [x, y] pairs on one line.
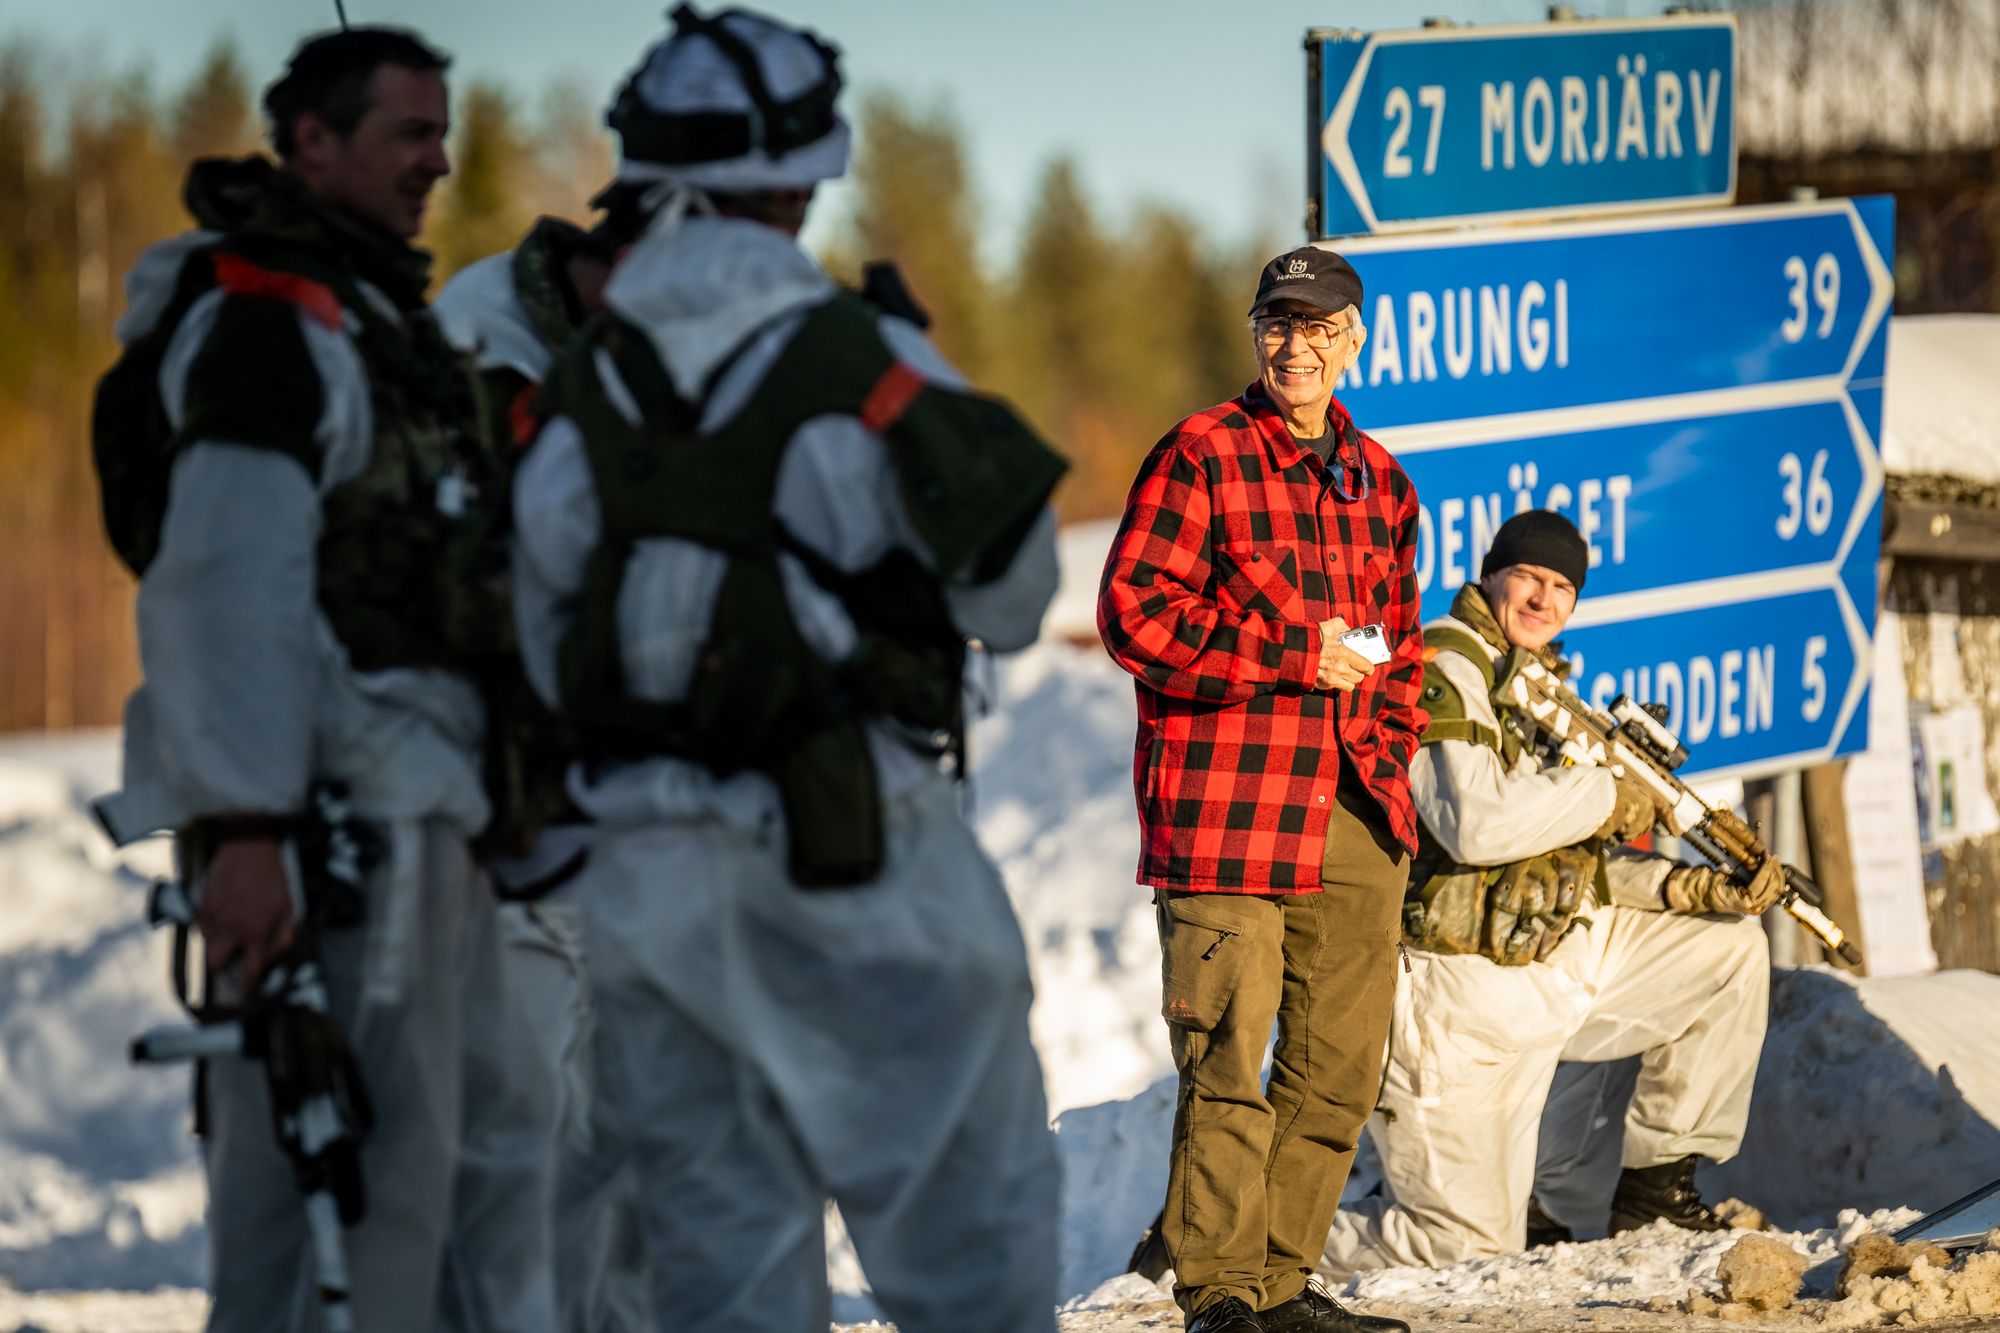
[[410, 567], [973, 478], [1513, 914]]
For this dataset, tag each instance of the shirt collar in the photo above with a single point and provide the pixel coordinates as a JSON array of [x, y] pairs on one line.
[[1285, 448]]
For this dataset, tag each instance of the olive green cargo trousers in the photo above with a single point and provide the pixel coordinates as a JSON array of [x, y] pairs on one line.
[[1258, 1168]]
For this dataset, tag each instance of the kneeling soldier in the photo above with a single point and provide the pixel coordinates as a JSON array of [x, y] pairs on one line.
[[1530, 944]]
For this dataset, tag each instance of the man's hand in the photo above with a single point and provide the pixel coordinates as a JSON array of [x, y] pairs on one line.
[[1698, 889], [1340, 667], [246, 908], [1634, 812]]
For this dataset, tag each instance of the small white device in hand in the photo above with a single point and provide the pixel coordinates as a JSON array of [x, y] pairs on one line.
[[1369, 641]]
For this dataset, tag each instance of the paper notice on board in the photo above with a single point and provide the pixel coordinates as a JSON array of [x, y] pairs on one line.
[[1881, 796], [1954, 752]]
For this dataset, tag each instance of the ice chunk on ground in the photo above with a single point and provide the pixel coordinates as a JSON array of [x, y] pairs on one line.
[[1761, 1272]]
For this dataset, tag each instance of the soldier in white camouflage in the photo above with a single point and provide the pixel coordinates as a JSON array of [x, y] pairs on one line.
[[1534, 937], [513, 313]]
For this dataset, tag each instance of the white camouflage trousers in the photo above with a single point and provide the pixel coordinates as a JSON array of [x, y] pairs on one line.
[[1473, 1047], [416, 989], [764, 1049]]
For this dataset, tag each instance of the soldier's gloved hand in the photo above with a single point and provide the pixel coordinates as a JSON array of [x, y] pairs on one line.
[[1698, 889], [1633, 813]]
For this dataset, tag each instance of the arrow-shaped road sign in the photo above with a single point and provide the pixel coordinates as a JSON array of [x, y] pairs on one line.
[[1444, 126], [1708, 501], [1616, 314], [1753, 686]]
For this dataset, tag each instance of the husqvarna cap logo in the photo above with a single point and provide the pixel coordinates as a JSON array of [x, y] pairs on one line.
[[1311, 276]]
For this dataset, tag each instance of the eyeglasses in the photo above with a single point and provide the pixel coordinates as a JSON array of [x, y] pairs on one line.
[[1276, 330]]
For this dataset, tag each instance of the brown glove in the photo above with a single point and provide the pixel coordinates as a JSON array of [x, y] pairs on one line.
[[1633, 813], [1698, 889]]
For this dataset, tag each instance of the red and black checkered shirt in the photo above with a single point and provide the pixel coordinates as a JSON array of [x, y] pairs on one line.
[[1233, 549]]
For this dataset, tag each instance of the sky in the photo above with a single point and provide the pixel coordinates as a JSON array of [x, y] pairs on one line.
[[1194, 103]]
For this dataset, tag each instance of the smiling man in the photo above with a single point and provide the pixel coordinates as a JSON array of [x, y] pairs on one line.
[[287, 455], [1531, 943], [1274, 807]]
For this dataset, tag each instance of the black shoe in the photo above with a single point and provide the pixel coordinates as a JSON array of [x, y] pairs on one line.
[[1648, 1193], [1227, 1315], [1543, 1229], [1313, 1311]]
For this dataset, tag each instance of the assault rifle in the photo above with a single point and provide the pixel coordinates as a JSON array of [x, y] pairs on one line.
[[1631, 738], [319, 1105]]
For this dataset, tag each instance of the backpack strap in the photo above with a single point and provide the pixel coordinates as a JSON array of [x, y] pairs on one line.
[[1441, 697]]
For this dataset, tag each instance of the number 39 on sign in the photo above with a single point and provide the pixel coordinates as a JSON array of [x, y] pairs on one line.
[[1825, 290]]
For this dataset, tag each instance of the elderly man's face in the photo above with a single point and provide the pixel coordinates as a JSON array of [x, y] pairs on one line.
[[1297, 374], [1532, 603]]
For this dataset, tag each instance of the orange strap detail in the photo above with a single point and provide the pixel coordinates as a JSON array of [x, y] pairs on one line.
[[890, 397], [239, 277], [522, 423]]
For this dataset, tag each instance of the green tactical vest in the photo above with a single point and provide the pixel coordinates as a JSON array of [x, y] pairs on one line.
[[409, 574], [973, 479], [528, 747], [1488, 910]]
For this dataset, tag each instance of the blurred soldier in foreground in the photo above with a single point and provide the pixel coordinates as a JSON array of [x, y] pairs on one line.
[[289, 457], [752, 541], [1530, 944], [513, 313], [1274, 800]]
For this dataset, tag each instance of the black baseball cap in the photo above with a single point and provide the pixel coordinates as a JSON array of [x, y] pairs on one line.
[[1319, 278]]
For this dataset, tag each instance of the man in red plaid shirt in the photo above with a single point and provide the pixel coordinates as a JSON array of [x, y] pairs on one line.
[[1276, 827]]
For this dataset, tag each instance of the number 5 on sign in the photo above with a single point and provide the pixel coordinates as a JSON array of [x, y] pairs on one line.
[[1825, 291], [1814, 678]]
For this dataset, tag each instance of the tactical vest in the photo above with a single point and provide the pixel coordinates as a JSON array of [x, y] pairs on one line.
[[409, 571], [973, 479], [1488, 910], [528, 747]]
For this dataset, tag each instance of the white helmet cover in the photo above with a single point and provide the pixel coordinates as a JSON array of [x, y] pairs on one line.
[[738, 102]]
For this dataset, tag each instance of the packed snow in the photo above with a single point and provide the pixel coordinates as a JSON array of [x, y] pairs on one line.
[[1941, 409], [1873, 1096]]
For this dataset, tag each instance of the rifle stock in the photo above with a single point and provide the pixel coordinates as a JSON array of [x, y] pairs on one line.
[[1632, 740]]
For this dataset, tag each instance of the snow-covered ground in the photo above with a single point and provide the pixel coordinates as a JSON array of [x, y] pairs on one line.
[[1941, 410], [1873, 1096]]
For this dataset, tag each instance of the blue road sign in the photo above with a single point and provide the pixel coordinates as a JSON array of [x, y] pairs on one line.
[[1442, 126], [1754, 685], [1501, 322], [1786, 487], [1706, 406]]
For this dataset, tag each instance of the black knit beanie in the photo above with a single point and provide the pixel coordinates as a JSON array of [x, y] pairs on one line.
[[1539, 537]]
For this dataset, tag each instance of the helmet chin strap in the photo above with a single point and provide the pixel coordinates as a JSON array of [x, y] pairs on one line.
[[669, 203]]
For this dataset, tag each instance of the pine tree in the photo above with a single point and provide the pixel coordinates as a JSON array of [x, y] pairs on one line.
[[212, 116], [916, 208], [480, 210], [1065, 319]]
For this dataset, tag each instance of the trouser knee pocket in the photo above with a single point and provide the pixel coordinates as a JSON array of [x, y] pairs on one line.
[[1204, 948]]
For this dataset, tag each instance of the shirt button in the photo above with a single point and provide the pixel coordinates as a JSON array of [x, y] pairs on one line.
[[1322, 799]]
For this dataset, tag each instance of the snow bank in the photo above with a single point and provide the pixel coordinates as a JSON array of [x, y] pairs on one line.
[[98, 1183], [1941, 407], [1871, 1094], [1876, 1094]]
